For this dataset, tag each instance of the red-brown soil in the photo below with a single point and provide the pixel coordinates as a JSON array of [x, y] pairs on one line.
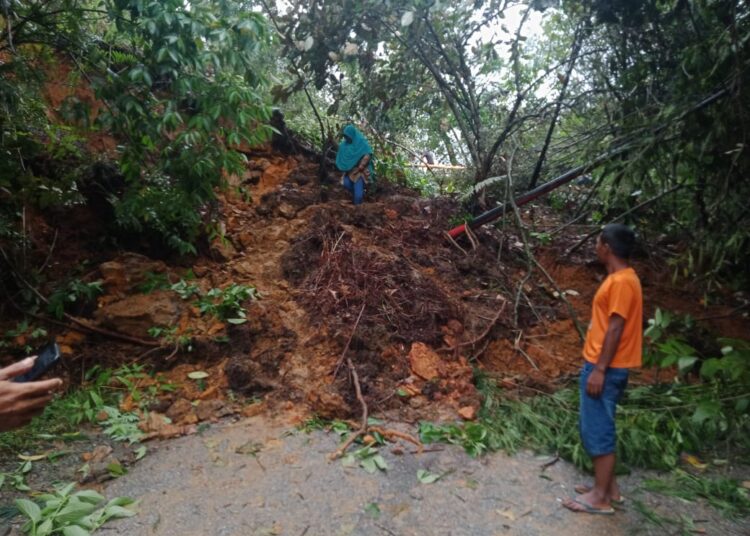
[[430, 311]]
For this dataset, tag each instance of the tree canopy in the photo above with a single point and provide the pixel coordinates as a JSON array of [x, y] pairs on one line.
[[527, 87]]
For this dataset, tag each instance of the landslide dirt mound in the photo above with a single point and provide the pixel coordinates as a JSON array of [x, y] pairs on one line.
[[416, 312], [382, 268]]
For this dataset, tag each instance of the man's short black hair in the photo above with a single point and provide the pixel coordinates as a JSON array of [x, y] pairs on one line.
[[620, 239]]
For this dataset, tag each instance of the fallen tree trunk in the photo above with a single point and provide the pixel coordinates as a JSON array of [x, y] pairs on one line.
[[569, 175]]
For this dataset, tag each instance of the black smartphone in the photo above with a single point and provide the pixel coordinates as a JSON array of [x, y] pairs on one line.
[[47, 357]]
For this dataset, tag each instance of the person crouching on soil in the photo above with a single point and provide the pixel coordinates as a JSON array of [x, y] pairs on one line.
[[612, 348], [354, 158]]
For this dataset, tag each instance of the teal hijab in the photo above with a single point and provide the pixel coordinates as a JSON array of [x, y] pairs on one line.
[[351, 152]]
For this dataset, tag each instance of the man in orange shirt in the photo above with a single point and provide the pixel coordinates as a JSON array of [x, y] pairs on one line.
[[612, 348]]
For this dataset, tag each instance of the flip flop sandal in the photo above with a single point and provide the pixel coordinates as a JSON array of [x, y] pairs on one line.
[[583, 488], [586, 508]]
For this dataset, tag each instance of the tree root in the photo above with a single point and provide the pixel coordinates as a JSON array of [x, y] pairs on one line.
[[452, 241], [391, 434], [358, 390]]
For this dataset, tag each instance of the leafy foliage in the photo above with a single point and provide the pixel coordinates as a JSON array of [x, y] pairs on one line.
[[27, 335], [655, 424], [122, 426], [17, 479], [99, 396], [177, 87], [225, 304], [675, 75], [425, 64], [368, 458], [725, 494], [71, 513], [75, 291]]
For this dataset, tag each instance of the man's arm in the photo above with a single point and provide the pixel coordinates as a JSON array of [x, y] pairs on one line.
[[595, 382]]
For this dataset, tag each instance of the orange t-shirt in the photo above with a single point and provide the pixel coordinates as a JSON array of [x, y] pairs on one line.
[[619, 293]]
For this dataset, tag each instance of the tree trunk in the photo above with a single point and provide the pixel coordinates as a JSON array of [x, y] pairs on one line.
[[449, 148], [558, 105]]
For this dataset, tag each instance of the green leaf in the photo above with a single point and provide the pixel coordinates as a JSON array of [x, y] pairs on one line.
[[116, 469], [74, 511], [117, 512], [369, 465], [90, 522], [29, 509], [426, 477], [706, 410], [711, 367], [380, 462], [197, 375], [120, 501], [349, 460], [373, 510], [89, 496], [45, 528], [75, 530], [140, 452], [685, 363]]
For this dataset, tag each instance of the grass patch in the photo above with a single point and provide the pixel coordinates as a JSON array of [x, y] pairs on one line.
[[655, 424], [684, 526], [724, 494]]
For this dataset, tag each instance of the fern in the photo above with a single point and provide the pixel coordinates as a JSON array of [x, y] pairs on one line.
[[482, 185]]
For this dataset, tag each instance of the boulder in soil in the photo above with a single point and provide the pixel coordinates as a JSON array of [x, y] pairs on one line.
[[135, 315], [124, 274], [424, 362]]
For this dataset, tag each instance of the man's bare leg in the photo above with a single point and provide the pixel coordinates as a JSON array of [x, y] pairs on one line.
[[614, 489], [600, 496]]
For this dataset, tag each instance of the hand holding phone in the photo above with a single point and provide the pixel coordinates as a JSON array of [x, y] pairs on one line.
[[47, 357], [21, 398]]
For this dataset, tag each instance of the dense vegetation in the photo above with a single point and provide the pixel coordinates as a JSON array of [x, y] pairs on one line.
[[180, 86]]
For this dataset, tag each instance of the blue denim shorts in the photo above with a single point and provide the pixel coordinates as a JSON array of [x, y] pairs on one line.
[[597, 415]]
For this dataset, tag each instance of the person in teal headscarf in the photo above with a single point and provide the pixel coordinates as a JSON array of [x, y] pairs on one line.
[[354, 158]]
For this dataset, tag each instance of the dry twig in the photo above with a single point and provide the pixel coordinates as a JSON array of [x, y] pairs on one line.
[[390, 434], [348, 343], [452, 241], [517, 347], [363, 426]]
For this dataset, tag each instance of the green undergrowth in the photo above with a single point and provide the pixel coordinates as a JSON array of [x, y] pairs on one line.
[[722, 493], [655, 424], [63, 510], [95, 401]]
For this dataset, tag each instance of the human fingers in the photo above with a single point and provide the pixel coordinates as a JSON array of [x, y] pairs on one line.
[[16, 369], [593, 388], [32, 405], [32, 389]]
